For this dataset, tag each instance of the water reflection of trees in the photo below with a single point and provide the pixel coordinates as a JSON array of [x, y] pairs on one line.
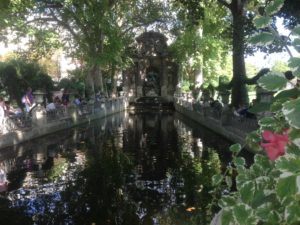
[[184, 179], [166, 181], [41, 170]]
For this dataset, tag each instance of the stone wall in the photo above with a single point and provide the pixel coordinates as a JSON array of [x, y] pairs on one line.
[[227, 130]]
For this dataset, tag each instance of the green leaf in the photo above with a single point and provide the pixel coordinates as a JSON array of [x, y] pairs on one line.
[[291, 111], [274, 6], [227, 217], [294, 135], [228, 180], [251, 221], [241, 213], [291, 93], [227, 201], [288, 164], [263, 161], [272, 81], [296, 30], [253, 140], [296, 44], [260, 107], [277, 104], [287, 187], [257, 169], [247, 191], [294, 64], [241, 179], [236, 148], [217, 179], [274, 217], [239, 161], [292, 213], [263, 38], [266, 122], [263, 211], [262, 21], [259, 199]]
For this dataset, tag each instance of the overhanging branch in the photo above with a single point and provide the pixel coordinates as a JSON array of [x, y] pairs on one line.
[[253, 80]]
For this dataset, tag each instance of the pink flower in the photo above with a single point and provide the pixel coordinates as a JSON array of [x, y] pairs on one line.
[[276, 144]]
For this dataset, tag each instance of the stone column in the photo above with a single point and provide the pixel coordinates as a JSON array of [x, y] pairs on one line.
[[164, 78], [39, 117], [138, 81]]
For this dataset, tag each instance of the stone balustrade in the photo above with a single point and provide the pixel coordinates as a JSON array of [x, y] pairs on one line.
[[39, 122], [220, 119]]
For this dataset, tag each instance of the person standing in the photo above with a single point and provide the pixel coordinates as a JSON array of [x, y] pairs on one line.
[[28, 100], [65, 98]]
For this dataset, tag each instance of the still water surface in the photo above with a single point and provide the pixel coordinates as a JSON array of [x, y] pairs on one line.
[[146, 169]]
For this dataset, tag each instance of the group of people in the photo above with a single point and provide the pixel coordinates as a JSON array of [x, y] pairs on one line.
[[6, 111], [242, 111], [63, 101]]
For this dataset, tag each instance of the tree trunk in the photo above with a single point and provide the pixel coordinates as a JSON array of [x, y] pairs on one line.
[[98, 79], [89, 83], [114, 77], [239, 94]]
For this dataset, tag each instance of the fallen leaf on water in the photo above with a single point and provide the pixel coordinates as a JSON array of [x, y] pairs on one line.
[[190, 209]]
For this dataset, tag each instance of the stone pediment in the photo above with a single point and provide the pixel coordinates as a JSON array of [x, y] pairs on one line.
[[151, 44]]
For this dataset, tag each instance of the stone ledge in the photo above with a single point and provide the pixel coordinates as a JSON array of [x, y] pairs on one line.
[[236, 136]]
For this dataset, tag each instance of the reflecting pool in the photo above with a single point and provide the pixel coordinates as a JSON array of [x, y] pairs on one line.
[[135, 169]]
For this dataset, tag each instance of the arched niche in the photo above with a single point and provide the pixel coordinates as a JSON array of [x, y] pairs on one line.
[[151, 84]]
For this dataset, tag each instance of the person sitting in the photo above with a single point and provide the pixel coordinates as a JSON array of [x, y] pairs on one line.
[[217, 107], [9, 111], [77, 100], [2, 114], [50, 107], [293, 82], [57, 102], [243, 111]]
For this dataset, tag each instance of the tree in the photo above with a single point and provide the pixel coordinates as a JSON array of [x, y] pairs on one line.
[[198, 48], [239, 91], [17, 75], [241, 27], [82, 27], [290, 11], [93, 32], [237, 10], [276, 142]]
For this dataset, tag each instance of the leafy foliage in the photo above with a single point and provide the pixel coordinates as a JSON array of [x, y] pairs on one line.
[[17, 75], [268, 190], [198, 47]]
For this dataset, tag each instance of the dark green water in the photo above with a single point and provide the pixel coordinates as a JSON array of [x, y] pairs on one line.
[[142, 169]]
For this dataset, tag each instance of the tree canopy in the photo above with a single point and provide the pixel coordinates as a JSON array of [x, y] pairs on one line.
[[98, 34]]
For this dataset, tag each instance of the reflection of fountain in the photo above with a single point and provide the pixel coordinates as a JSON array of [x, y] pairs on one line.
[[147, 184], [40, 156], [3, 180]]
